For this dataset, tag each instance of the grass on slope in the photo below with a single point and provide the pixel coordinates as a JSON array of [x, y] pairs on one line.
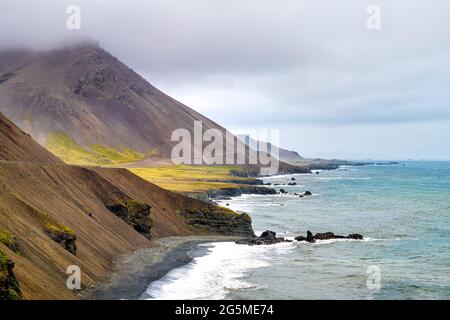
[[9, 287], [67, 149], [190, 178], [6, 239]]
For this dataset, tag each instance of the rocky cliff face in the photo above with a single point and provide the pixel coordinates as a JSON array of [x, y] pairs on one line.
[[235, 192], [65, 239], [134, 213], [217, 220], [9, 287]]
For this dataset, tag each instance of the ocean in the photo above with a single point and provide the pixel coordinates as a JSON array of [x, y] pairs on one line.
[[402, 210]]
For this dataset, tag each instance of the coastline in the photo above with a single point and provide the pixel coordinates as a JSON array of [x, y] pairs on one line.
[[133, 273]]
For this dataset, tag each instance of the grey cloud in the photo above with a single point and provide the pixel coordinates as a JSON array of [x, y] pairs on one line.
[[266, 62]]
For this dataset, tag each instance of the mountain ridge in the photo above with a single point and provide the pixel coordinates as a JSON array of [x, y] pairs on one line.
[[88, 94], [54, 215]]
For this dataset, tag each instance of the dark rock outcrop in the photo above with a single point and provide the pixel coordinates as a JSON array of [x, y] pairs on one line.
[[292, 183], [218, 220], [267, 237], [327, 236], [355, 236], [64, 239], [235, 192], [9, 286], [136, 214], [283, 191], [309, 237], [307, 193], [10, 241]]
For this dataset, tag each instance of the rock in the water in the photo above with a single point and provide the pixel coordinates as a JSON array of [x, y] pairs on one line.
[[309, 237], [282, 191], [355, 236], [267, 237], [327, 236], [292, 183], [307, 193], [292, 179]]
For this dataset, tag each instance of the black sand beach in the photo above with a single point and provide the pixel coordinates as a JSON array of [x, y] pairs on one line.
[[133, 273]]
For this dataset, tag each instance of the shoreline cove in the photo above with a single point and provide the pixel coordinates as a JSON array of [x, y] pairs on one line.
[[133, 273], [348, 201]]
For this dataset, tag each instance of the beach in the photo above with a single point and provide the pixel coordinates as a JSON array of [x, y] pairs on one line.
[[133, 273]]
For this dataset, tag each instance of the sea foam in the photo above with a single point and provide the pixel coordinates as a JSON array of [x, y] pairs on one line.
[[216, 273]]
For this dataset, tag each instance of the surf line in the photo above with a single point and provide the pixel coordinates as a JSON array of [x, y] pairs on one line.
[[186, 310]]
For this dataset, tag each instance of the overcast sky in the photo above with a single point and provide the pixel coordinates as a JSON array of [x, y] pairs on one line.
[[312, 69]]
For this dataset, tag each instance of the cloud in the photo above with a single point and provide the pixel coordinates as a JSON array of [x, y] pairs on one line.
[[265, 62]]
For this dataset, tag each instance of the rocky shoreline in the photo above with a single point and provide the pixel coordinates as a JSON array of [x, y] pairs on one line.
[[269, 237], [227, 193], [132, 274]]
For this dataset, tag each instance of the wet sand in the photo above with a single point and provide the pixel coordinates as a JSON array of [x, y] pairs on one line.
[[132, 274]]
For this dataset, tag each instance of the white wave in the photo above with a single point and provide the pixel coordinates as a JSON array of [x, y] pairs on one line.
[[344, 178], [211, 276], [330, 241], [330, 178]]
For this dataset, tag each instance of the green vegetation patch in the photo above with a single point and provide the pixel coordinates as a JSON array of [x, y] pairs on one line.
[[190, 178], [9, 241], [67, 149], [9, 286], [6, 238], [50, 225]]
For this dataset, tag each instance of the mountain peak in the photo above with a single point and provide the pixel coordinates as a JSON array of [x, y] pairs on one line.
[[83, 93]]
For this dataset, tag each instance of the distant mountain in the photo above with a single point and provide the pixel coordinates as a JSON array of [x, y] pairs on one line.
[[87, 106], [284, 155]]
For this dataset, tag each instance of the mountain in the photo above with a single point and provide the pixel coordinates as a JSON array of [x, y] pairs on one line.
[[54, 215], [19, 146], [284, 155], [88, 107]]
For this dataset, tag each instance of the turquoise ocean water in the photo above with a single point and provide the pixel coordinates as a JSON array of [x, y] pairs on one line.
[[402, 210]]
